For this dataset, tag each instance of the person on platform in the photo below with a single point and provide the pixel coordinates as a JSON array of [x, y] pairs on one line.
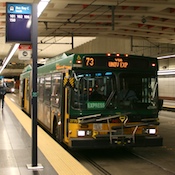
[[2, 94]]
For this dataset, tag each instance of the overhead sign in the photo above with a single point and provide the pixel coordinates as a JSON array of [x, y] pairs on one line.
[[18, 22], [25, 52]]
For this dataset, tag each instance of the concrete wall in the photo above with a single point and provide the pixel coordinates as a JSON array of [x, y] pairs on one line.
[[167, 64], [124, 45], [167, 87]]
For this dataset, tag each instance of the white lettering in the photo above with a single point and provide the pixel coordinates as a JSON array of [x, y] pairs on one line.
[[17, 7], [26, 17], [12, 20], [12, 16], [20, 16], [19, 11], [22, 8]]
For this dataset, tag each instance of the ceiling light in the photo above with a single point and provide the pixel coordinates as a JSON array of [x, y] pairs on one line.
[[41, 6], [15, 47]]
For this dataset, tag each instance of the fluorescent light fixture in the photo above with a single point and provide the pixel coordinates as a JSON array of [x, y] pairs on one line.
[[15, 47], [166, 56], [166, 72], [41, 6]]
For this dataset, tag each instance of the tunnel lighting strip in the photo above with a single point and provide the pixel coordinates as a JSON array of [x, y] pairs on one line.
[[166, 72], [41, 6], [166, 56]]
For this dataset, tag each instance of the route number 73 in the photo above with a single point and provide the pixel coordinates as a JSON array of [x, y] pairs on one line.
[[89, 61]]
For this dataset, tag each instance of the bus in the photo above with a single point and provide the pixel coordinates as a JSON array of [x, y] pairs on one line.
[[81, 100], [9, 85]]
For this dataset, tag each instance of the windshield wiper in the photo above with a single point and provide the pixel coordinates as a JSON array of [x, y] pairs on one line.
[[110, 98], [154, 90]]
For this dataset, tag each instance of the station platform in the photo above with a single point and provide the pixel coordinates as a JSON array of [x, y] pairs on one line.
[[169, 105], [15, 147]]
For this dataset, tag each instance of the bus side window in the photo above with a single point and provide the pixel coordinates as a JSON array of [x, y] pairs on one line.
[[41, 88], [47, 92], [56, 89]]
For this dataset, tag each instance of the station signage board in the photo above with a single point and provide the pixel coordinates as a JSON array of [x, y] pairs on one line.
[[25, 52], [18, 22]]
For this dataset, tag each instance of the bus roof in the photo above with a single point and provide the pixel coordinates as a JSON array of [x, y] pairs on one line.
[[96, 60]]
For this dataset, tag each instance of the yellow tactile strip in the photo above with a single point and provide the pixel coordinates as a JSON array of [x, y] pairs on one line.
[[62, 161]]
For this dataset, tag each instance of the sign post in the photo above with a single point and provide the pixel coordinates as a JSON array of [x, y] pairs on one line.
[[22, 27], [34, 165]]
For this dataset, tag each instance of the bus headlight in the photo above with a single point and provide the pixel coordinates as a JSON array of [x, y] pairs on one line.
[[83, 133], [150, 131], [12, 89]]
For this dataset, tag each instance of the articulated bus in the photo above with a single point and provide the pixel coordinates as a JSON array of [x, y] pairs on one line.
[[97, 100]]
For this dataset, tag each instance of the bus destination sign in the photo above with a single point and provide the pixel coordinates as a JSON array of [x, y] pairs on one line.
[[114, 62], [18, 22], [111, 63], [118, 63]]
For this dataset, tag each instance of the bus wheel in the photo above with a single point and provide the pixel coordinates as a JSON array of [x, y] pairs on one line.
[[56, 131]]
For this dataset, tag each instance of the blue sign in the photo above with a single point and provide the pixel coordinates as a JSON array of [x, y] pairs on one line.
[[19, 8], [18, 22]]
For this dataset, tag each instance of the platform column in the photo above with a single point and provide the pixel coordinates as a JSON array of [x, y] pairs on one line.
[[34, 164]]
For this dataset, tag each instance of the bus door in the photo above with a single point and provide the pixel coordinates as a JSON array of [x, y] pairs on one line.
[[26, 95], [57, 103], [22, 91], [66, 84], [40, 98], [46, 118]]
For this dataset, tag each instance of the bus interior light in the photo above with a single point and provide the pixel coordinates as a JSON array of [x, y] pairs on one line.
[[98, 74], [108, 54], [117, 54], [153, 64], [126, 55], [108, 73]]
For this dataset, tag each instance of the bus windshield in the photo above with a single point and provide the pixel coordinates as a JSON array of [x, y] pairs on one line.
[[137, 90], [93, 90], [99, 90]]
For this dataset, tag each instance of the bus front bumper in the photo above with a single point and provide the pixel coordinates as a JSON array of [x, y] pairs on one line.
[[140, 141]]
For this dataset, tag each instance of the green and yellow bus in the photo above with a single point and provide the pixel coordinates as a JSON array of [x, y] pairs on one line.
[[97, 100]]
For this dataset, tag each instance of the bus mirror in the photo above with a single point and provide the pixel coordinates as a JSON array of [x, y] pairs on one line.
[[160, 104]]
